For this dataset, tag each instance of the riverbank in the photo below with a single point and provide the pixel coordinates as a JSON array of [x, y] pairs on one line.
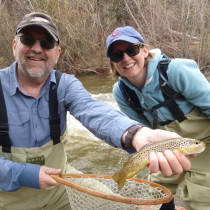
[[84, 30]]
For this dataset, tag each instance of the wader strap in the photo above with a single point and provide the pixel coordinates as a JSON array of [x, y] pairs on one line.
[[169, 94], [131, 97], [53, 109], [4, 128]]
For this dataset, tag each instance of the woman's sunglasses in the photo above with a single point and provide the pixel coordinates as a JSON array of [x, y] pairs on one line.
[[130, 51], [46, 43]]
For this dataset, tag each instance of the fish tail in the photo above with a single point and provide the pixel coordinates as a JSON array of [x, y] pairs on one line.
[[120, 179]]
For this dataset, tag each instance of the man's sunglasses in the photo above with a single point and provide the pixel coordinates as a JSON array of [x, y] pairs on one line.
[[46, 43], [130, 51]]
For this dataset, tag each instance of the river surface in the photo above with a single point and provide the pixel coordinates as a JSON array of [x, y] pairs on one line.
[[86, 152]]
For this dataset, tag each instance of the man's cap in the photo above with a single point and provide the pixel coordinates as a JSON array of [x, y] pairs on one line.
[[40, 20], [127, 34]]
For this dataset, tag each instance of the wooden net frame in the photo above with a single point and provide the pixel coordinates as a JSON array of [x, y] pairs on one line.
[[122, 196]]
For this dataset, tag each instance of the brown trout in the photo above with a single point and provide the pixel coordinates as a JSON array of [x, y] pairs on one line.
[[141, 159]]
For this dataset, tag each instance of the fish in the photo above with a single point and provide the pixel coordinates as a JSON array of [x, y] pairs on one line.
[[140, 159]]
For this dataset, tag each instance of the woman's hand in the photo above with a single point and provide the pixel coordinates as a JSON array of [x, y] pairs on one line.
[[168, 162], [147, 136]]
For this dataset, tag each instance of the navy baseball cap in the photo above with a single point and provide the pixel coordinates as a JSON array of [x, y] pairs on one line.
[[40, 20], [127, 34]]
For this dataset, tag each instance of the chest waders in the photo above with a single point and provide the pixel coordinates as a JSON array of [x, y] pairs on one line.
[[195, 188], [51, 154], [195, 191]]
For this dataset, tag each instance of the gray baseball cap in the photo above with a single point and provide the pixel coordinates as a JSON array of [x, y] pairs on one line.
[[40, 20]]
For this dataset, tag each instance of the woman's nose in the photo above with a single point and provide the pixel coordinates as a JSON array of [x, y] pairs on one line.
[[125, 56]]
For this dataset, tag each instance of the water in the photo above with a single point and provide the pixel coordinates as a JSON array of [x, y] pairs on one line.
[[86, 152]]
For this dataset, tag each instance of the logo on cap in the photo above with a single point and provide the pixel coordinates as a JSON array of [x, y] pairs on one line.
[[115, 32], [39, 19]]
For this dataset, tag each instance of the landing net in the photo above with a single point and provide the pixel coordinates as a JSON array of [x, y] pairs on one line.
[[100, 192]]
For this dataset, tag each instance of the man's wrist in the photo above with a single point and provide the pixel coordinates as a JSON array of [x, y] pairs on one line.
[[128, 142]]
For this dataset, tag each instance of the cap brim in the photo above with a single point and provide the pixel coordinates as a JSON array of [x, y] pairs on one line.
[[122, 38], [40, 26]]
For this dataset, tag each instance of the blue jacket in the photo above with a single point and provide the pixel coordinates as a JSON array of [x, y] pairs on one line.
[[184, 76]]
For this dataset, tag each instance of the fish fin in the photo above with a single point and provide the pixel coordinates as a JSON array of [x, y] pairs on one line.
[[117, 177]]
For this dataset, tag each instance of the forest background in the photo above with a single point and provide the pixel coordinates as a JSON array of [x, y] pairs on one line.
[[180, 28]]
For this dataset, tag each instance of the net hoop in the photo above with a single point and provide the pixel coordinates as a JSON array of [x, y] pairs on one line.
[[136, 201]]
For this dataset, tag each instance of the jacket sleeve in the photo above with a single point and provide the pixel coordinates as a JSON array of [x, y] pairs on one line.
[[185, 77], [97, 116]]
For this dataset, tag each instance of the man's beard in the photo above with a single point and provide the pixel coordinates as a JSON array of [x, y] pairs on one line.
[[33, 74], [28, 71]]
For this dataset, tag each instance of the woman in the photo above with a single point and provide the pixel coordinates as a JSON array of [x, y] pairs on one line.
[[139, 73]]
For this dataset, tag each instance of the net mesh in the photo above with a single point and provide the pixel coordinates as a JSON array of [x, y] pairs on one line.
[[100, 192]]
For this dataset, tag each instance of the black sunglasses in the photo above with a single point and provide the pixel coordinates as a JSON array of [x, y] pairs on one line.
[[130, 51], [46, 43]]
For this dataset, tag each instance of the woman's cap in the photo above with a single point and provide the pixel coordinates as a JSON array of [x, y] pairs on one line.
[[127, 33], [40, 20]]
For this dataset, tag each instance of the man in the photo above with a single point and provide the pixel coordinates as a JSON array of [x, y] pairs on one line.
[[33, 117]]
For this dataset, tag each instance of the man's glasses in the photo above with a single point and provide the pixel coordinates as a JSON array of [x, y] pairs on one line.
[[46, 43], [130, 51]]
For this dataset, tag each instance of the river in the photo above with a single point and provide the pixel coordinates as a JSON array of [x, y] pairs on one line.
[[86, 152]]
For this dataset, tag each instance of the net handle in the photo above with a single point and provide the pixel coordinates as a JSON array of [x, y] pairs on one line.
[[137, 201]]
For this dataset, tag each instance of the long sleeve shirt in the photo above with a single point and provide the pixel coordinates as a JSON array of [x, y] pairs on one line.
[[28, 120]]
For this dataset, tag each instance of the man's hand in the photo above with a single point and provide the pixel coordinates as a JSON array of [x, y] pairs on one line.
[[45, 180]]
